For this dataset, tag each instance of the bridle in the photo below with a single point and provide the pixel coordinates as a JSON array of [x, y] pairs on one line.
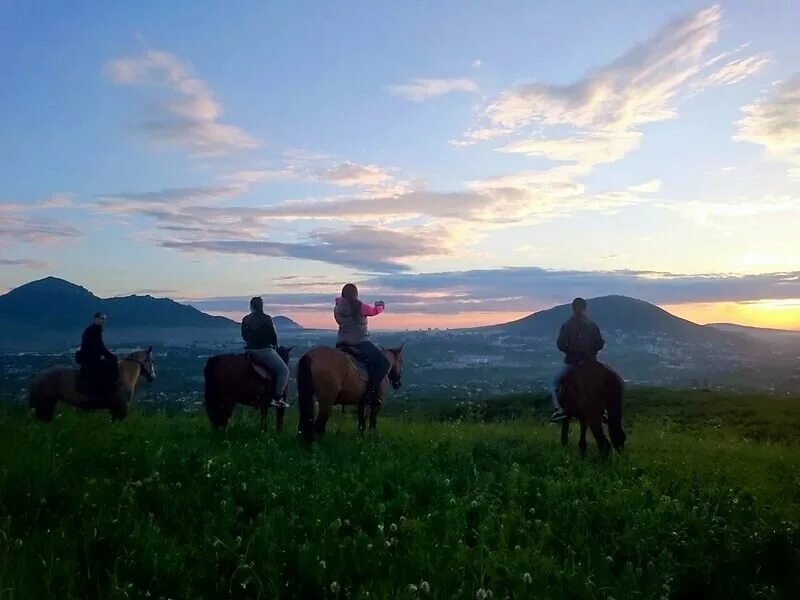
[[148, 374]]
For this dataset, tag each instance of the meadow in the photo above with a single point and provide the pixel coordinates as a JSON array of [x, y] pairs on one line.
[[470, 501]]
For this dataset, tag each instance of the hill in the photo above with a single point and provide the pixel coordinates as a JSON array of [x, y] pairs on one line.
[[618, 314], [54, 311]]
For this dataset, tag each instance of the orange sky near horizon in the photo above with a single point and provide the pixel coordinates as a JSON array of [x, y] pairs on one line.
[[774, 314]]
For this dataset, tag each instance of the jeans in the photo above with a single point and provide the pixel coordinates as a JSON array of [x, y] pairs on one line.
[[274, 363], [562, 373], [378, 366]]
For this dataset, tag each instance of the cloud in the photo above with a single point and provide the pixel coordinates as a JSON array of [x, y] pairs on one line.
[[186, 114], [25, 262], [596, 119], [736, 71], [367, 249], [648, 187], [172, 198], [35, 231], [715, 214], [587, 150], [419, 90], [526, 289], [348, 174], [477, 64], [774, 122]]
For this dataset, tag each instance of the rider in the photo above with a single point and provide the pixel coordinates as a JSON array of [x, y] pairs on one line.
[[580, 341], [258, 331], [351, 315], [99, 367]]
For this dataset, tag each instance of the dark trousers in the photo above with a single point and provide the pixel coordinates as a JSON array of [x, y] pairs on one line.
[[378, 366], [100, 377]]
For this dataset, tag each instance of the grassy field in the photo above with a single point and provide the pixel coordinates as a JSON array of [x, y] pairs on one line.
[[705, 503]]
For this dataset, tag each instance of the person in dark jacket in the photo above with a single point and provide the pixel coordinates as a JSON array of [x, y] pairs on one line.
[[351, 316], [580, 341], [258, 332], [99, 366]]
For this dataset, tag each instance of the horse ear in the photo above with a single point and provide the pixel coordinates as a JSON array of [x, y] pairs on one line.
[[400, 349]]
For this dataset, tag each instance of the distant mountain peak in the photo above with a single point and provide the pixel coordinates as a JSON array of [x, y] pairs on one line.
[[53, 285]]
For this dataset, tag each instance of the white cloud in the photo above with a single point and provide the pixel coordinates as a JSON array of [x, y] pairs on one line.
[[596, 119], [736, 71], [477, 64], [648, 187], [419, 90], [186, 115], [348, 174], [774, 122]]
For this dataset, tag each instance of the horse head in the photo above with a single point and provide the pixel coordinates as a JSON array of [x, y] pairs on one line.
[[396, 372], [283, 352], [145, 360]]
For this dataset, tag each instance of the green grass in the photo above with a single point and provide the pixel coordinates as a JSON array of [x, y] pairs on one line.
[[161, 507]]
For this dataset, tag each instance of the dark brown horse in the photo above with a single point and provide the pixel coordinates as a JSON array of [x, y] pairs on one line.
[[59, 385], [588, 392], [231, 379], [333, 377]]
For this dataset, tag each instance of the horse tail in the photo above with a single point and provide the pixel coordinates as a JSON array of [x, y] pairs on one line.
[[42, 402], [213, 399], [615, 388], [305, 397]]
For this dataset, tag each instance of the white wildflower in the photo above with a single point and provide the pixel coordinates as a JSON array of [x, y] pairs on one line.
[[527, 578]]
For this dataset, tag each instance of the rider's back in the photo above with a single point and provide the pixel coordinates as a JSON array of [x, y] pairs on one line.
[[352, 322], [258, 331], [580, 340]]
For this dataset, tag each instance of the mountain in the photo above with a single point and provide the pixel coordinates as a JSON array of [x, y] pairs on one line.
[[618, 314], [55, 311]]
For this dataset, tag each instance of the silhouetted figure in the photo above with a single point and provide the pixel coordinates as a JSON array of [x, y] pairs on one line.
[[258, 331], [580, 341], [99, 367]]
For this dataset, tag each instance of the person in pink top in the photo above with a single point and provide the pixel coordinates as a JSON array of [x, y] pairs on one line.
[[351, 314]]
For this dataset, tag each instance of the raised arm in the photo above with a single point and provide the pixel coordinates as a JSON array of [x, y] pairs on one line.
[[371, 311]]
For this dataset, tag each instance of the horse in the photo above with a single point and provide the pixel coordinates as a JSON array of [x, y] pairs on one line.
[[334, 377], [59, 384], [232, 378], [586, 392]]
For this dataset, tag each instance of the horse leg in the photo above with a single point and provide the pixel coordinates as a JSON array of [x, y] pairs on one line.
[[322, 419], [373, 415], [565, 432], [582, 441], [362, 418], [602, 442], [118, 409], [279, 414], [264, 411]]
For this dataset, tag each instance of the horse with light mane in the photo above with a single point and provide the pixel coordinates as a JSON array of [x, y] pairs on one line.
[[332, 376], [59, 385], [586, 393], [234, 378]]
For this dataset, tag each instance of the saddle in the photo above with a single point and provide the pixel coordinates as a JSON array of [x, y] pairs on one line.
[[258, 367], [357, 360]]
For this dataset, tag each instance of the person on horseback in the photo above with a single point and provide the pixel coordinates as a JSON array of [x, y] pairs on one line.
[[580, 341], [99, 367], [258, 332], [351, 314]]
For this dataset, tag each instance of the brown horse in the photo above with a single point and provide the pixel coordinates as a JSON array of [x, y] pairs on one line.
[[586, 393], [58, 384], [333, 377], [230, 378]]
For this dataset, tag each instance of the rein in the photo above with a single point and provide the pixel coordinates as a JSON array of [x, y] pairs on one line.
[[148, 375]]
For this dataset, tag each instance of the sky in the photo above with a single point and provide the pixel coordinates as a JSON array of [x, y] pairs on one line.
[[466, 162]]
